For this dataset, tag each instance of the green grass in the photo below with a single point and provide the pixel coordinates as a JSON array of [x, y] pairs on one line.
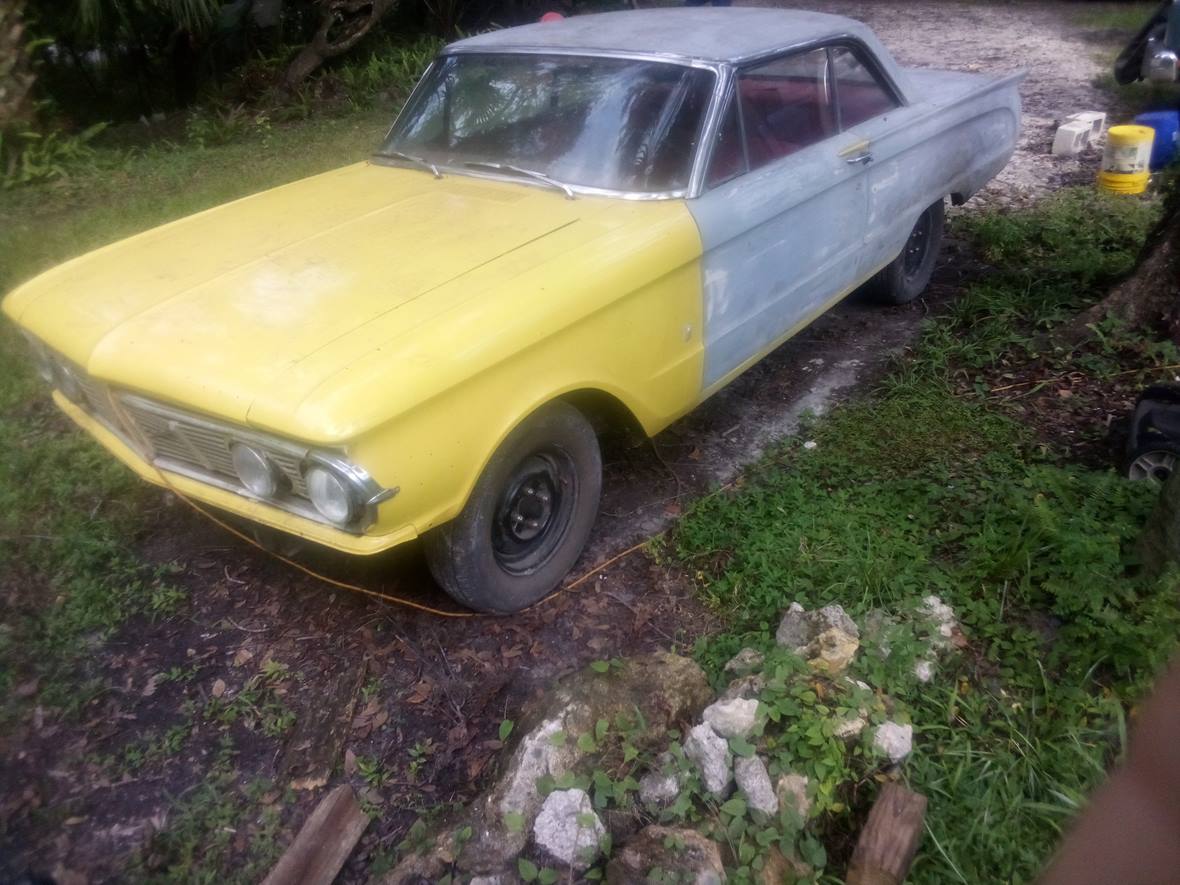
[[1129, 17], [926, 486]]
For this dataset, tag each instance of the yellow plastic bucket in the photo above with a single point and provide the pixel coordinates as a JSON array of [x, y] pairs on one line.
[[1126, 158]]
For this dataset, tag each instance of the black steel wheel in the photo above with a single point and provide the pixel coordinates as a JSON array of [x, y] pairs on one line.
[[528, 517], [908, 275]]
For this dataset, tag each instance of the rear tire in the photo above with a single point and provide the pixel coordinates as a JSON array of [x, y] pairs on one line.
[[528, 517], [908, 275]]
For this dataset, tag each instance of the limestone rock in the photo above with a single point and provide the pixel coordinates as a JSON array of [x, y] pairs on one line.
[[732, 718], [749, 686], [713, 759], [794, 630], [782, 870], [754, 782], [894, 740], [682, 854], [849, 728], [832, 651], [942, 617], [827, 638], [567, 828], [658, 788], [791, 791], [745, 661], [665, 688]]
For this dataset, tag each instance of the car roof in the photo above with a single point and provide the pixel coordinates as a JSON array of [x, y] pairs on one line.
[[699, 34]]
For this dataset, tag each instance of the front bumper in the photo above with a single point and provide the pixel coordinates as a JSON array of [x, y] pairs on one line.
[[255, 511]]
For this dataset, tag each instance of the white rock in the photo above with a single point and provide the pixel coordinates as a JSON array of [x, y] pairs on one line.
[[748, 686], [744, 661], [791, 790], [732, 718], [799, 627], [924, 670], [894, 740], [536, 757], [754, 782], [810, 444], [713, 759], [568, 829], [941, 614], [657, 788], [849, 728]]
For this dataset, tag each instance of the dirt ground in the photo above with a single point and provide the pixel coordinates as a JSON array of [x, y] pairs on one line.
[[431, 692]]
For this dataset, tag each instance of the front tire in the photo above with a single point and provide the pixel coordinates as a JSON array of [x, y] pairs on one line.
[[528, 517], [908, 275]]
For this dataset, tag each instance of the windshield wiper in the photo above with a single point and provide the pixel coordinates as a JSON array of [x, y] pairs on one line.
[[527, 173], [410, 158]]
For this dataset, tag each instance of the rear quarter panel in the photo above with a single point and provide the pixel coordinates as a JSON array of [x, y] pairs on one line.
[[959, 131]]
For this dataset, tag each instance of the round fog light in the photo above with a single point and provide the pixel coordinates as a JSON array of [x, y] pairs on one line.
[[331, 495], [255, 470]]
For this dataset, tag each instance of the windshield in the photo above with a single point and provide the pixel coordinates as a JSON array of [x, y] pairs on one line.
[[608, 123]]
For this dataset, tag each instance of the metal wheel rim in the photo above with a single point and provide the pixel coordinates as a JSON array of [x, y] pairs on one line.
[[1154, 466], [535, 511], [916, 245]]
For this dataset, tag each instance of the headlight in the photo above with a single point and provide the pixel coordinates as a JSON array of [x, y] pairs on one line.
[[256, 471], [333, 496]]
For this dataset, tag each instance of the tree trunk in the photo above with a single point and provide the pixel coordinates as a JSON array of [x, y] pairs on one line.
[[1150, 297], [343, 25], [16, 76]]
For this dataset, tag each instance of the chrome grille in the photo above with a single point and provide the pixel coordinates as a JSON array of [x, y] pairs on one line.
[[96, 399], [202, 445]]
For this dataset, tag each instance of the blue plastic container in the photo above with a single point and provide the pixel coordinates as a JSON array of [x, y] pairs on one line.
[[1167, 130]]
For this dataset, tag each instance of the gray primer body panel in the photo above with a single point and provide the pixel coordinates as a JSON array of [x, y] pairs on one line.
[[784, 242]]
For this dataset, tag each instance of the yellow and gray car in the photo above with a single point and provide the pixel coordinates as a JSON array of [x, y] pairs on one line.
[[612, 214]]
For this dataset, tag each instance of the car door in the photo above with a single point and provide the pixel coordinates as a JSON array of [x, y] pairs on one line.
[[782, 212], [901, 170]]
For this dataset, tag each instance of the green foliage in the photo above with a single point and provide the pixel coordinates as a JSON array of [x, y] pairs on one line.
[[29, 156], [389, 71], [197, 842], [213, 126], [926, 487]]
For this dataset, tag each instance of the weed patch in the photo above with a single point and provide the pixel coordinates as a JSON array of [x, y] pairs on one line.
[[933, 485]]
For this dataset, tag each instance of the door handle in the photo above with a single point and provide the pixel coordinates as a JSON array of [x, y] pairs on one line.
[[859, 159]]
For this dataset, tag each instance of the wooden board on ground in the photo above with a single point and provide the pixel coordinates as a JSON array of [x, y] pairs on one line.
[[888, 842], [324, 842]]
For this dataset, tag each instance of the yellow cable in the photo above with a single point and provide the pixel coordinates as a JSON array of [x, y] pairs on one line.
[[356, 588]]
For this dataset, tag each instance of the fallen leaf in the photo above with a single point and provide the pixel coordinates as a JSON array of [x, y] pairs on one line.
[[349, 762], [72, 821], [420, 693], [218, 688], [243, 657], [149, 688], [1065, 393], [27, 689]]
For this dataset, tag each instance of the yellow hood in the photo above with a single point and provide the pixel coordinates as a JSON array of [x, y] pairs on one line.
[[216, 309]]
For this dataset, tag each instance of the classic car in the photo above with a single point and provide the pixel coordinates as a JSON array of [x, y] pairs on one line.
[[604, 218]]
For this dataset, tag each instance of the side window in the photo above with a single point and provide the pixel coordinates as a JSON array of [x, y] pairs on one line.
[[860, 94], [786, 106], [729, 156]]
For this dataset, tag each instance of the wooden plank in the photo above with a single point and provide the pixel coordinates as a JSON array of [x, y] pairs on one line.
[[324, 842], [888, 842]]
